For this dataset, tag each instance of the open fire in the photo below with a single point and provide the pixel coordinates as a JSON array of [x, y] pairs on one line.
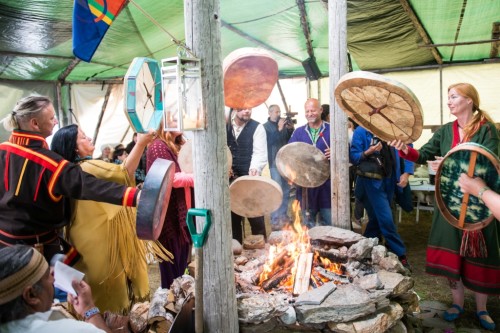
[[295, 266]]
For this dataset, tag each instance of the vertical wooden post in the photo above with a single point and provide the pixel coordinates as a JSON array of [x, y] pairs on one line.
[[338, 65], [202, 26]]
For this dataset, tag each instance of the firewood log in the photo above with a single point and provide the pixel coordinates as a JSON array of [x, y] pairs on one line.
[[275, 280], [157, 310], [138, 317]]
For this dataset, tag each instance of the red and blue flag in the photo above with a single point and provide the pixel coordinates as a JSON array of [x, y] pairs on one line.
[[91, 20]]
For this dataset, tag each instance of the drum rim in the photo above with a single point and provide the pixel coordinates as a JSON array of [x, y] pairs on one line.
[[471, 146], [147, 211]]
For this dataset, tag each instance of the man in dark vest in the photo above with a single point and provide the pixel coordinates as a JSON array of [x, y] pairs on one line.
[[246, 139]]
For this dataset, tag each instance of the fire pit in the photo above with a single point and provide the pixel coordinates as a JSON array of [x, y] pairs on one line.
[[325, 279]]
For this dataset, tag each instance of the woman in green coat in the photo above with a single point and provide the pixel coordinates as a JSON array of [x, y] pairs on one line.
[[481, 275]]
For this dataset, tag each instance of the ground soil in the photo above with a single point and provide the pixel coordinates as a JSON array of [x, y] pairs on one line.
[[428, 287]]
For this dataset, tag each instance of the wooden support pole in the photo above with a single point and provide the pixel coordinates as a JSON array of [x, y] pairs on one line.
[[283, 99], [339, 149], [103, 109], [203, 37], [421, 31]]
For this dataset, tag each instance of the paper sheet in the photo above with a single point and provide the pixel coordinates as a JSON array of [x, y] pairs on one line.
[[64, 275]]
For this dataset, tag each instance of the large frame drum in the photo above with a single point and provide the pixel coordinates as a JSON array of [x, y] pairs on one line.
[[459, 209], [154, 199]]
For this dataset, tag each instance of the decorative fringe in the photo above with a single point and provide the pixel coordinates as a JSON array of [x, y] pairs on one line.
[[473, 244]]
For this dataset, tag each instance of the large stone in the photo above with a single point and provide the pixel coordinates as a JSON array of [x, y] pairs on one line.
[[258, 308], [369, 282], [391, 263], [282, 237], [334, 235], [346, 303], [289, 317], [254, 242], [362, 249], [315, 296], [237, 248], [377, 322], [378, 253], [395, 282]]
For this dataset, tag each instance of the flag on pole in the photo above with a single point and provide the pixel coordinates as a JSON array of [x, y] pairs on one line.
[[91, 20]]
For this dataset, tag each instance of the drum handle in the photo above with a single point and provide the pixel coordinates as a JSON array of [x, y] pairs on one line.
[[465, 199]]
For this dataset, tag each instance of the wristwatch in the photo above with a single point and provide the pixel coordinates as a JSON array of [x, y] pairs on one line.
[[91, 312]]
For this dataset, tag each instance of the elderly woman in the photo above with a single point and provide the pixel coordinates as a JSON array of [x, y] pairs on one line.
[[112, 257], [174, 235]]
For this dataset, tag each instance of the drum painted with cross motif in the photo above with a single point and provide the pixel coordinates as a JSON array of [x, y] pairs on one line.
[[385, 107]]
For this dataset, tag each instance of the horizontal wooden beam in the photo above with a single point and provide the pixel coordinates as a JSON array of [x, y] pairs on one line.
[[486, 41]]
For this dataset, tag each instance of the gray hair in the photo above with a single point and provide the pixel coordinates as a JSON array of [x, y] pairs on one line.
[[26, 109], [273, 107]]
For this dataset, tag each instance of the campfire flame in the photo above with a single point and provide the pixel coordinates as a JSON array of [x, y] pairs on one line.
[[286, 259]]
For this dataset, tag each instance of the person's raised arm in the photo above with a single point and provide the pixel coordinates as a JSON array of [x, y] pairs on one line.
[[133, 159]]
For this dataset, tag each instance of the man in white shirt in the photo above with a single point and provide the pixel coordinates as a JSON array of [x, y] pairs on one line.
[[27, 292], [247, 141]]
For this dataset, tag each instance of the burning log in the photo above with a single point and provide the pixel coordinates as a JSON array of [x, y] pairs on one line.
[[334, 256], [281, 259], [275, 280], [342, 279], [316, 279], [304, 266]]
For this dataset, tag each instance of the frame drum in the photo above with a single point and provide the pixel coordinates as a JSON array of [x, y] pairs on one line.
[[461, 210], [249, 77], [154, 199], [254, 196], [385, 107], [303, 164]]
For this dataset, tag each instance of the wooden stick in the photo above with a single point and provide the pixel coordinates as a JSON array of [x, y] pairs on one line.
[[465, 199]]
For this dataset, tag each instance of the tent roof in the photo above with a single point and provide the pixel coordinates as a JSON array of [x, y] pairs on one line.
[[36, 44]]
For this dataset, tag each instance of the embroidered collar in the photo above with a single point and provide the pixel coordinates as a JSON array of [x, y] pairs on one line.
[[28, 139]]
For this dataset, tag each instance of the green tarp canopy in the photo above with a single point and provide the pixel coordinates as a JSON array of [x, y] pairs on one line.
[[36, 44]]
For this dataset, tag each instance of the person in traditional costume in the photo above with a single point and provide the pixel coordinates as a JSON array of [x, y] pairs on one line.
[[174, 235], [112, 257], [315, 202], [35, 181], [27, 291], [467, 267]]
